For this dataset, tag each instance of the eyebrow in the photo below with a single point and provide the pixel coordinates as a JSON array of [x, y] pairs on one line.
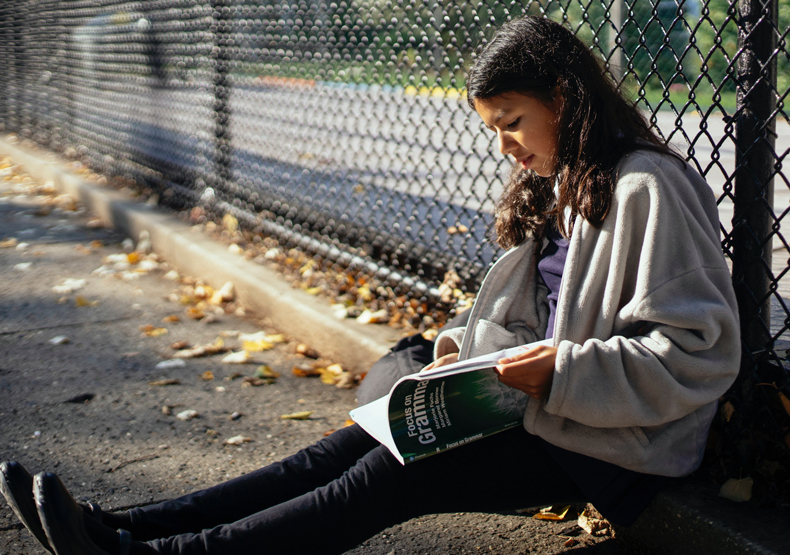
[[498, 116]]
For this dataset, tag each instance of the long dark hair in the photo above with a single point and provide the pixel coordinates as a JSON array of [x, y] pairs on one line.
[[537, 57]]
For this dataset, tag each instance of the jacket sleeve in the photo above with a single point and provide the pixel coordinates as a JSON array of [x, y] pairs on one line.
[[657, 334]]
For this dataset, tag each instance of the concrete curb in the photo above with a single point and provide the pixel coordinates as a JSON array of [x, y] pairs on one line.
[[292, 311], [687, 518]]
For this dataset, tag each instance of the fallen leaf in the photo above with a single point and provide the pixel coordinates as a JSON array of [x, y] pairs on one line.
[[195, 313], [172, 363], [552, 513], [233, 376], [378, 317], [207, 376], [303, 415], [346, 381], [303, 371], [152, 331], [230, 222], [81, 301], [235, 415], [166, 381], [69, 285], [570, 542], [59, 340], [171, 319], [237, 440], [178, 345], [328, 378], [96, 244], [203, 350], [239, 357], [348, 423], [265, 371], [257, 346], [305, 350], [225, 294], [737, 490], [591, 525], [167, 411], [9, 243], [187, 415]]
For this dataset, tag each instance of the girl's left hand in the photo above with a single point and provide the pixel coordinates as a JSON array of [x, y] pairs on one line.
[[531, 371]]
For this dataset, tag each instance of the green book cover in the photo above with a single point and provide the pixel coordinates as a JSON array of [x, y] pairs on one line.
[[446, 407]]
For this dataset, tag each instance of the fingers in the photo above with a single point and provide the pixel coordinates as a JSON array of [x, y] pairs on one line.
[[531, 353]]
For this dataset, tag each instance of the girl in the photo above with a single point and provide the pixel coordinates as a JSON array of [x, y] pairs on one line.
[[613, 251]]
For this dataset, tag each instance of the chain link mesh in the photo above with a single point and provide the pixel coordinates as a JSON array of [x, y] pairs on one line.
[[341, 128]]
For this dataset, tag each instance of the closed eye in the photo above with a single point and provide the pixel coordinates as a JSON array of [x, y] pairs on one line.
[[514, 123]]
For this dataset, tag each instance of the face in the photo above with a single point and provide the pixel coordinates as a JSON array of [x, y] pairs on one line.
[[526, 127]]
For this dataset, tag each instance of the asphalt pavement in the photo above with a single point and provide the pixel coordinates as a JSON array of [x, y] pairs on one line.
[[87, 328]]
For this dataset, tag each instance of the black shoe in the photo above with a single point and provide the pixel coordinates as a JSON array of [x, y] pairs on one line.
[[16, 483], [62, 518]]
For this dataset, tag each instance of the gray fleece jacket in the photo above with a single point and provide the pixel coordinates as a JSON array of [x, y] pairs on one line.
[[646, 327]]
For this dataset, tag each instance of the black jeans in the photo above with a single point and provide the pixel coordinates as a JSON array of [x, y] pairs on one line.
[[335, 494]]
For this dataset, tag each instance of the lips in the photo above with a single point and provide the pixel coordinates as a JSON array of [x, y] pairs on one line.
[[526, 162]]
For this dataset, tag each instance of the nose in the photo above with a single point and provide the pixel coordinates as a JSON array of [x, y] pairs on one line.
[[506, 142]]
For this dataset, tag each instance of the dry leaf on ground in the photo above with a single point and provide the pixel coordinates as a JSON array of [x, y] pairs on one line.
[[552, 513], [187, 415], [239, 357], [303, 371], [303, 415], [166, 381], [151, 331], [237, 440], [737, 490], [593, 526]]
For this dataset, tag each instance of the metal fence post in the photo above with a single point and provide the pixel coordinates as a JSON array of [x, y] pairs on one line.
[[755, 167], [221, 92]]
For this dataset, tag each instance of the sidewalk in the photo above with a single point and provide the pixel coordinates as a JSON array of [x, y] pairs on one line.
[[690, 519], [86, 410]]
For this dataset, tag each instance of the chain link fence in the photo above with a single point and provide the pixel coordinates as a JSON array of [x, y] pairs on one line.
[[341, 128]]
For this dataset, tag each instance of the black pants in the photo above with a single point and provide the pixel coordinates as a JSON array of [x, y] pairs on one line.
[[335, 494]]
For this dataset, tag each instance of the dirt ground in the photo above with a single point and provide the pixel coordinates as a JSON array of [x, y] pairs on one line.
[[85, 409]]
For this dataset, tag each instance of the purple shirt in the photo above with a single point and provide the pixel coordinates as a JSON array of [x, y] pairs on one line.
[[551, 263]]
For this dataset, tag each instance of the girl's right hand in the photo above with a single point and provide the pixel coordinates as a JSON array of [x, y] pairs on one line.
[[442, 361]]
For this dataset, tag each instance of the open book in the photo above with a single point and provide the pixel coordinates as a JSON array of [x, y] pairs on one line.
[[445, 407]]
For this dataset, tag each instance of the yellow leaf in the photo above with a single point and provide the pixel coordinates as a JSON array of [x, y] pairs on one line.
[[195, 313], [133, 257], [207, 376], [304, 415], [327, 377], [171, 319], [151, 331], [230, 222], [552, 513], [265, 371], [82, 301], [257, 346], [313, 290], [167, 381], [737, 490]]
